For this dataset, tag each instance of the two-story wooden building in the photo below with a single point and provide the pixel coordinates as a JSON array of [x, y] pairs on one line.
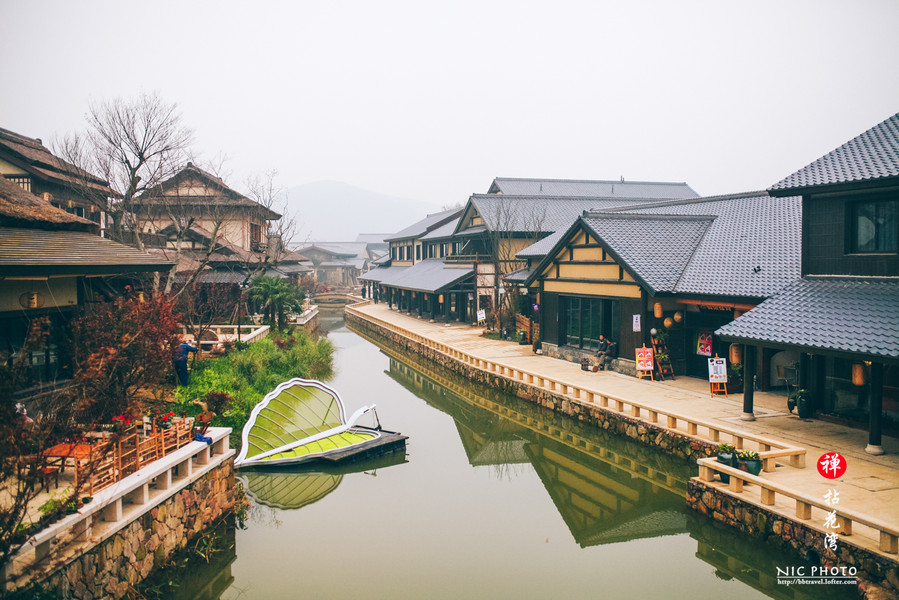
[[28, 163], [841, 319], [52, 263], [683, 268]]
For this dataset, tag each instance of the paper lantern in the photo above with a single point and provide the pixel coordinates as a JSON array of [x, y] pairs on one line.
[[858, 374], [668, 322], [657, 310], [440, 298], [736, 354], [678, 317]]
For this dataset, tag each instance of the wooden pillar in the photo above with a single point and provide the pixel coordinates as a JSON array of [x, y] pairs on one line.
[[875, 410], [749, 361]]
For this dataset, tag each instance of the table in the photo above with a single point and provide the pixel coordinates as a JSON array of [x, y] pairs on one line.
[[64, 452]]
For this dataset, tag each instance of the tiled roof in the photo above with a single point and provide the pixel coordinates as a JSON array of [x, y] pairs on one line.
[[444, 231], [542, 247], [45, 165], [656, 247], [751, 249], [19, 208], [502, 212], [519, 276], [39, 252], [171, 195], [382, 274], [430, 275], [872, 155], [341, 249], [859, 316], [425, 225], [596, 188]]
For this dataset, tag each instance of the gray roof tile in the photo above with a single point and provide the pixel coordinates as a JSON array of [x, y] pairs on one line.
[[430, 275], [833, 313], [751, 249], [596, 188], [425, 225], [656, 247], [872, 155]]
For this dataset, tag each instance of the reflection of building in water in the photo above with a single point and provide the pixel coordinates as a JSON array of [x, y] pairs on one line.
[[607, 489]]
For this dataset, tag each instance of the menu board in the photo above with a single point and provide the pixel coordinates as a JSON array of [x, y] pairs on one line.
[[644, 359], [717, 370]]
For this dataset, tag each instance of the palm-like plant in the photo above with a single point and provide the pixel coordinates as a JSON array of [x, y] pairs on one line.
[[275, 297]]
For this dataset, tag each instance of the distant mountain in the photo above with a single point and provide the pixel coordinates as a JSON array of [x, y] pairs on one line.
[[331, 211]]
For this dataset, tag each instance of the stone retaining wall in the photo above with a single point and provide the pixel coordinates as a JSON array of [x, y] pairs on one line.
[[668, 441], [784, 532], [113, 567]]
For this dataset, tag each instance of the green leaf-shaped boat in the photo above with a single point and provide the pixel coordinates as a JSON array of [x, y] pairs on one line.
[[303, 420]]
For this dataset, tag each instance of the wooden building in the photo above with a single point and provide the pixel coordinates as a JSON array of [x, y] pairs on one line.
[[27, 163], [840, 322]]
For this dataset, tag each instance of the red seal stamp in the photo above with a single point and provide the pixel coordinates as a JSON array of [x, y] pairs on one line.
[[832, 465]]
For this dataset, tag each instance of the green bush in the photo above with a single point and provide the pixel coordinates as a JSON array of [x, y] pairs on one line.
[[247, 376]]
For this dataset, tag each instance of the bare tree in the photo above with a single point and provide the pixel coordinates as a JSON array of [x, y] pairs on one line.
[[134, 144], [516, 224]]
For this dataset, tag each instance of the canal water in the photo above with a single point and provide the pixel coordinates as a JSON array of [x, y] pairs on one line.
[[494, 498]]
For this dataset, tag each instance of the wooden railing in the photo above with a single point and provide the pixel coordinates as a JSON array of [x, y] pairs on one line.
[[771, 451], [804, 504], [115, 507], [111, 461]]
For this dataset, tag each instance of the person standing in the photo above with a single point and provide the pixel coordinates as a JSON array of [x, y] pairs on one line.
[[180, 361]]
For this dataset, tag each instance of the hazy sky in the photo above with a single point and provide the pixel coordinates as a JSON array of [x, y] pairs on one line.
[[431, 100]]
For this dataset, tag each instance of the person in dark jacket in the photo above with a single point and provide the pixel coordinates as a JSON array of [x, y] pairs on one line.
[[607, 357], [180, 361]]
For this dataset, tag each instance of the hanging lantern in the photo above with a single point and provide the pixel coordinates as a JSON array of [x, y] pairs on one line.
[[440, 298], [668, 322], [657, 310], [736, 354], [858, 374], [678, 317]]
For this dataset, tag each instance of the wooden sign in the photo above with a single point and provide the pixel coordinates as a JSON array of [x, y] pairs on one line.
[[644, 363], [717, 370]]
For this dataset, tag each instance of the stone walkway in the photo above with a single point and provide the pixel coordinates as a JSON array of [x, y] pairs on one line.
[[870, 485]]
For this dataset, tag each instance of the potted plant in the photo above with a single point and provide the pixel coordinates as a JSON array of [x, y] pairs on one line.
[[725, 457], [751, 460], [800, 400]]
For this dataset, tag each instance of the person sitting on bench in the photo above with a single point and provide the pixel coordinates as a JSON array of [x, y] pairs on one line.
[[601, 350]]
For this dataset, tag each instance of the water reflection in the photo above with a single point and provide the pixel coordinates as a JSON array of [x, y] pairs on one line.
[[606, 488], [290, 489], [500, 499]]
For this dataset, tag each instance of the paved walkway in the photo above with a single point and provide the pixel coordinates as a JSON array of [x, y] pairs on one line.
[[870, 485]]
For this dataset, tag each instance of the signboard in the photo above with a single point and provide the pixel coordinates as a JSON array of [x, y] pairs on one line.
[[704, 343], [636, 322], [717, 370], [644, 359], [482, 315]]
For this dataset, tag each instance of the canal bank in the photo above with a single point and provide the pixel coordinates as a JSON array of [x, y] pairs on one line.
[[129, 529], [689, 423]]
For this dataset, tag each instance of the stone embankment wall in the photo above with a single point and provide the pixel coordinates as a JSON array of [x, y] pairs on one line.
[[120, 562], [788, 533], [666, 440]]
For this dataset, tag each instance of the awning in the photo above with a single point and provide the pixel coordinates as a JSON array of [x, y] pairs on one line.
[[833, 315], [432, 275]]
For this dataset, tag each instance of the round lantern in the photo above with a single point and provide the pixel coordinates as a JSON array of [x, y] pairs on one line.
[[668, 322], [678, 317]]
